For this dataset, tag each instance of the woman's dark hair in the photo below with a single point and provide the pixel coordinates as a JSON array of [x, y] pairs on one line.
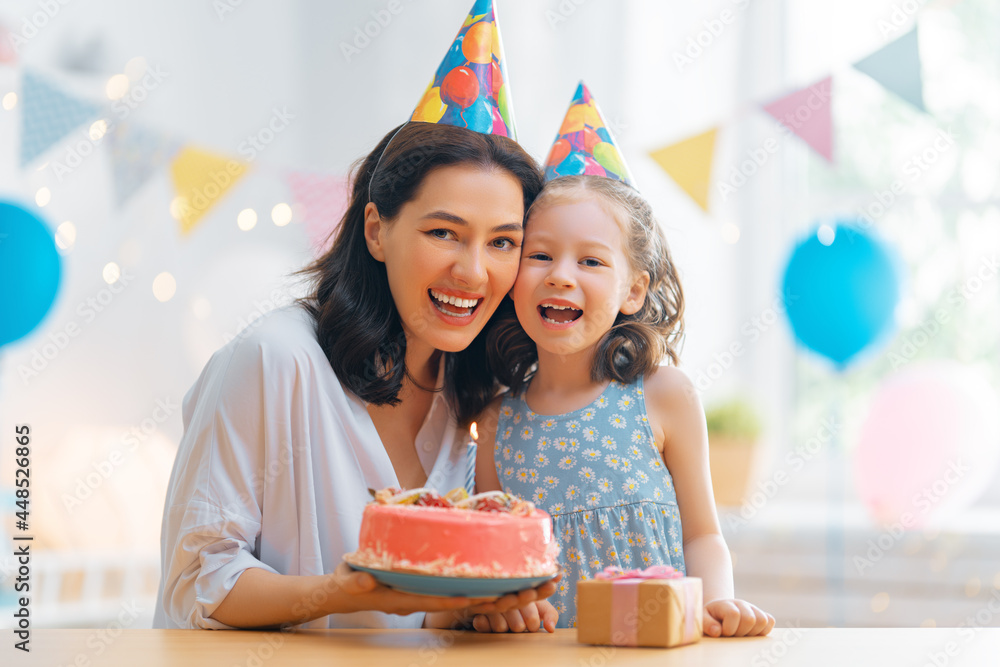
[[357, 323], [636, 344]]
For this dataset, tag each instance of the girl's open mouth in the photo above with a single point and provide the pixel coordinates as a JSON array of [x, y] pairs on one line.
[[559, 314]]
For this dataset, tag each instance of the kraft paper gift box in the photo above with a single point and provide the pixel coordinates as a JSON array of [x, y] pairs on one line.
[[652, 607]]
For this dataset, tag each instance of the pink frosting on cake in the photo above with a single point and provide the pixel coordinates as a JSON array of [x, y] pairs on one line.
[[456, 542]]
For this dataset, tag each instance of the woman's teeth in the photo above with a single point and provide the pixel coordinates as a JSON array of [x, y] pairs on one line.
[[444, 299]]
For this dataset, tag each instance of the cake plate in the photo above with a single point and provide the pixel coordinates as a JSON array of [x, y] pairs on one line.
[[425, 584]]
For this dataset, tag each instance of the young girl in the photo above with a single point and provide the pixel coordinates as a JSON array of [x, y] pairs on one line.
[[598, 434]]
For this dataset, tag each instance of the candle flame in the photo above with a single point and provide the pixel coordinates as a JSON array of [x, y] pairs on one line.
[[473, 431]]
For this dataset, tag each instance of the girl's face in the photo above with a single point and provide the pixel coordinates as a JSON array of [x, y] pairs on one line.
[[574, 277], [451, 254]]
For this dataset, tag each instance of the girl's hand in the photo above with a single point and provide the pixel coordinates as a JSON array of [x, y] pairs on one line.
[[735, 618], [510, 603], [535, 616]]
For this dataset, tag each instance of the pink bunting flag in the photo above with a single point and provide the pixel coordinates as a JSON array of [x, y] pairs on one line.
[[323, 199], [806, 112], [8, 54]]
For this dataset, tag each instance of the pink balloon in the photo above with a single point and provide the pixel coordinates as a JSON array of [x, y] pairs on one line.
[[593, 168], [929, 444]]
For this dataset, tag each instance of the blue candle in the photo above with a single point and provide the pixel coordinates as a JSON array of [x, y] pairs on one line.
[[470, 460]]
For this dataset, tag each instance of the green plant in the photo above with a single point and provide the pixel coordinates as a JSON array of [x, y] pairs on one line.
[[733, 419]]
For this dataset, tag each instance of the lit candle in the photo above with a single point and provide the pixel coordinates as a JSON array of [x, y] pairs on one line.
[[470, 460]]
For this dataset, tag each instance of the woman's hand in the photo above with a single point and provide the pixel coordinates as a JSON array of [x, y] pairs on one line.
[[735, 618], [360, 592]]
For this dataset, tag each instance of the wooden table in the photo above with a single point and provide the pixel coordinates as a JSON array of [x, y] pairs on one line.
[[937, 647]]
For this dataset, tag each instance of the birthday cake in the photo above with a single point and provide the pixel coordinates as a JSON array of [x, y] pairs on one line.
[[489, 535]]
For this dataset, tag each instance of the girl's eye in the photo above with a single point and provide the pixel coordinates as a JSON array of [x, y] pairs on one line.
[[590, 261], [538, 255], [440, 233]]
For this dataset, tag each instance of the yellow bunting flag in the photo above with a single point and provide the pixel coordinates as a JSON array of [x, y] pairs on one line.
[[200, 179], [689, 163]]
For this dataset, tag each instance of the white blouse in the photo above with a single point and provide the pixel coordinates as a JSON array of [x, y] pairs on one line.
[[273, 472]]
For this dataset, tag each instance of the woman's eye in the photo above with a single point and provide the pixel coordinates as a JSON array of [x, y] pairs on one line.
[[505, 244], [440, 233]]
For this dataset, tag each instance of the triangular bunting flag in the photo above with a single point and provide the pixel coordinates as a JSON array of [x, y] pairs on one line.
[[896, 66], [689, 163], [201, 179], [806, 112], [323, 199], [136, 154], [48, 115]]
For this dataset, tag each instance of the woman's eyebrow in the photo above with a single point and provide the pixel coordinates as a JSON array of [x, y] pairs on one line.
[[459, 220]]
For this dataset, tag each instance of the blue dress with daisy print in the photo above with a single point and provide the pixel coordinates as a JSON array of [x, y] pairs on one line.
[[598, 473]]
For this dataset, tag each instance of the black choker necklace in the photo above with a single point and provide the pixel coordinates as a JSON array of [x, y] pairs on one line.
[[416, 384]]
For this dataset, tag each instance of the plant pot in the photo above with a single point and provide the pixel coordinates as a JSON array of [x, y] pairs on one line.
[[731, 461]]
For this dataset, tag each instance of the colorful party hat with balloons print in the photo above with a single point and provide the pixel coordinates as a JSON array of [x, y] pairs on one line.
[[584, 144], [470, 88]]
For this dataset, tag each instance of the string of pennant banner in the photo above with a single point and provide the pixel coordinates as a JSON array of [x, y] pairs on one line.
[[51, 116]]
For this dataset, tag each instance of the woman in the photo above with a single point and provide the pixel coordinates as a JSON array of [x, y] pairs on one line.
[[367, 383]]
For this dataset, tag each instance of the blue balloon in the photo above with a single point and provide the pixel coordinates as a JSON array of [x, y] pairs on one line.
[[841, 297], [479, 116], [30, 270], [572, 164], [452, 59]]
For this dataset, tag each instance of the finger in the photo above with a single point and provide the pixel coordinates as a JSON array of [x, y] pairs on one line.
[[547, 589], [531, 618], [515, 620], [760, 622], [352, 581], [505, 603], [770, 625], [728, 615], [480, 623], [748, 618], [764, 621], [710, 626], [498, 622], [549, 616]]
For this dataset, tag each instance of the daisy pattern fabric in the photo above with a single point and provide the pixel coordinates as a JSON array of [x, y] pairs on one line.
[[598, 473]]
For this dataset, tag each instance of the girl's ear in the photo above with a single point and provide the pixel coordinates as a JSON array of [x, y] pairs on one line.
[[636, 294], [374, 230]]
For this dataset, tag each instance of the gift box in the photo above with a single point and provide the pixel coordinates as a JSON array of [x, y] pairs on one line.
[[657, 606]]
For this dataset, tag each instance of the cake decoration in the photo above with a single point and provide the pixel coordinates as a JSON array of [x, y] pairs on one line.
[[488, 535]]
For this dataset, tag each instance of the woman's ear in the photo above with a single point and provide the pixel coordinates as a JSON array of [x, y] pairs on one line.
[[374, 229], [636, 294]]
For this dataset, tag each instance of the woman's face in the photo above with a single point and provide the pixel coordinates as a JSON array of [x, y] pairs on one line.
[[451, 254]]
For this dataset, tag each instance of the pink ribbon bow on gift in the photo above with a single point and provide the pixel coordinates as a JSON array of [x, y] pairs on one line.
[[651, 572]]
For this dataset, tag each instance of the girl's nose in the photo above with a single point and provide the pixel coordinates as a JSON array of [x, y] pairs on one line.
[[559, 277]]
